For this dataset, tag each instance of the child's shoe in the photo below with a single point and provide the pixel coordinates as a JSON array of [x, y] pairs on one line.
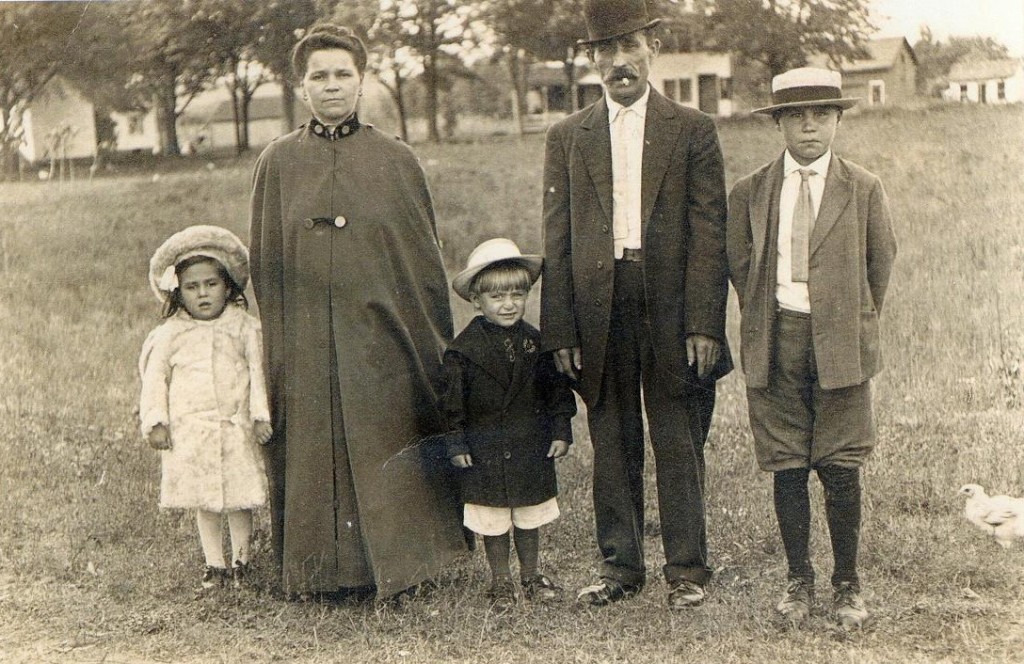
[[502, 595], [239, 571], [540, 587], [849, 606], [213, 577], [795, 605]]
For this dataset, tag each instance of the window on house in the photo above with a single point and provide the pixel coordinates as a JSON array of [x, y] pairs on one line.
[[726, 91], [963, 92], [672, 89], [685, 90], [982, 97], [1001, 90]]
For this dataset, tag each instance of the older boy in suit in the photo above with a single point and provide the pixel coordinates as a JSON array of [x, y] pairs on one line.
[[811, 247], [633, 299]]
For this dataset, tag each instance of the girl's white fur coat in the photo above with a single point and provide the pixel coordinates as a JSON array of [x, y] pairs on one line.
[[204, 380]]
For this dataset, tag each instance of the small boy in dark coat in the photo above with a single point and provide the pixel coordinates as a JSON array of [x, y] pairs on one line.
[[509, 416], [811, 248]]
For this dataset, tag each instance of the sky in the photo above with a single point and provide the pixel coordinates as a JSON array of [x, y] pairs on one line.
[[1001, 19]]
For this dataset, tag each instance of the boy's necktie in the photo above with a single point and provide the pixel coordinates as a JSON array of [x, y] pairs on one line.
[[803, 221]]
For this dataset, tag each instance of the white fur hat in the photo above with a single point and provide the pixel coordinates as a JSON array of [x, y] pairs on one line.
[[218, 243], [494, 251], [807, 86]]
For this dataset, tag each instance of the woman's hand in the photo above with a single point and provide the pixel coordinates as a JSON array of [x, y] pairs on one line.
[[462, 461], [159, 437], [559, 448], [262, 431]]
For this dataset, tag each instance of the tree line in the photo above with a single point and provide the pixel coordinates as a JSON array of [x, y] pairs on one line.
[[159, 54]]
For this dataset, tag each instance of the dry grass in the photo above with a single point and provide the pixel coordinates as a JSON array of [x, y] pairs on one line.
[[90, 571]]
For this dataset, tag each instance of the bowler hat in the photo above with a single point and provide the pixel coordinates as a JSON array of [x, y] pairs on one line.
[[608, 19], [488, 253], [807, 86]]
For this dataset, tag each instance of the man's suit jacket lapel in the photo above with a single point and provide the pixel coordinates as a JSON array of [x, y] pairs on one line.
[[764, 212], [660, 132], [595, 146], [836, 196]]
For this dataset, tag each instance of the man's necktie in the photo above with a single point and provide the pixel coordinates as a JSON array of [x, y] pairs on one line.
[[803, 221]]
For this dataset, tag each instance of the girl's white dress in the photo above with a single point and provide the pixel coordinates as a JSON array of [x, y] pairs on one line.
[[205, 381]]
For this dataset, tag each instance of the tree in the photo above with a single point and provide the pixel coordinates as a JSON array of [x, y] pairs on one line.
[[33, 50], [780, 34], [935, 58], [173, 60], [281, 24], [536, 30]]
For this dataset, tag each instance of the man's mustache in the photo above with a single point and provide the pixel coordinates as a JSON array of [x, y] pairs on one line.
[[620, 73]]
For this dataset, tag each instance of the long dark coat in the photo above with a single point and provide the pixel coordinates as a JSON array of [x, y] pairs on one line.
[[683, 228], [355, 316], [505, 419], [851, 257]]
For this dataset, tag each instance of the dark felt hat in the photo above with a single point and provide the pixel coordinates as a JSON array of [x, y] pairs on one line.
[[608, 19]]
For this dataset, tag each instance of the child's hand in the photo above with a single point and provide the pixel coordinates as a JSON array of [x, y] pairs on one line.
[[559, 448], [159, 437], [462, 461], [263, 431]]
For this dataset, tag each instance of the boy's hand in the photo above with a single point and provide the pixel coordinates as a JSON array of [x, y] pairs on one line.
[[559, 448], [462, 461], [262, 431], [159, 437]]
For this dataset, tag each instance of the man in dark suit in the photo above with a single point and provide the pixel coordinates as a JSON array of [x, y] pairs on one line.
[[633, 298]]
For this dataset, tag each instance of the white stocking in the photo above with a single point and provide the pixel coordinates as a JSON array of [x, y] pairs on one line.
[[210, 537], [240, 527]]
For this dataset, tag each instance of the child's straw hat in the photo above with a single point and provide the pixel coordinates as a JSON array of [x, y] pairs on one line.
[[807, 86], [215, 242], [493, 251]]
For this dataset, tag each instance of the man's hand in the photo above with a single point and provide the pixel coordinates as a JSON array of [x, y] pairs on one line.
[[568, 361], [558, 449], [462, 461], [704, 351], [159, 437]]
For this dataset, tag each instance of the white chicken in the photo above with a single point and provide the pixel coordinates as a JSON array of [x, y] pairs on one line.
[[999, 516]]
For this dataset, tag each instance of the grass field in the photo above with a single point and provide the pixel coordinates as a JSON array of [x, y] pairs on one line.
[[91, 571]]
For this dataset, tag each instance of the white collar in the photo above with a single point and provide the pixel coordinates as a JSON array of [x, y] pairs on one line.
[[640, 105], [819, 165]]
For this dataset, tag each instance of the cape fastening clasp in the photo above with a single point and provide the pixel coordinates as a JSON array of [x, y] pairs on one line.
[[337, 222]]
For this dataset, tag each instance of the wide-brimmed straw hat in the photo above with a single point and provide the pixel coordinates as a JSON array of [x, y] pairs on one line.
[[488, 253], [608, 19], [807, 86], [215, 242]]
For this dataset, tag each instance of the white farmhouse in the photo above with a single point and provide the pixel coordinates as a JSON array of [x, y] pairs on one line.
[[58, 124], [987, 81]]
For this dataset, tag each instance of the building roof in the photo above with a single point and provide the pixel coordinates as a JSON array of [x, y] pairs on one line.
[[882, 52], [984, 70]]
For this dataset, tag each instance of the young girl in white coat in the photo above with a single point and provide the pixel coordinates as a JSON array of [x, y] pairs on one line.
[[203, 401]]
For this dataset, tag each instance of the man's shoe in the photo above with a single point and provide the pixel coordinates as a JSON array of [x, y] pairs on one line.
[[605, 592], [684, 594], [795, 605], [849, 606], [540, 587]]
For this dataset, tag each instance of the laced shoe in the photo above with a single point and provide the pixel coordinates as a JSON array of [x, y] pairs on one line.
[[213, 577], [605, 592], [849, 606], [502, 595], [540, 587], [684, 594], [795, 604]]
